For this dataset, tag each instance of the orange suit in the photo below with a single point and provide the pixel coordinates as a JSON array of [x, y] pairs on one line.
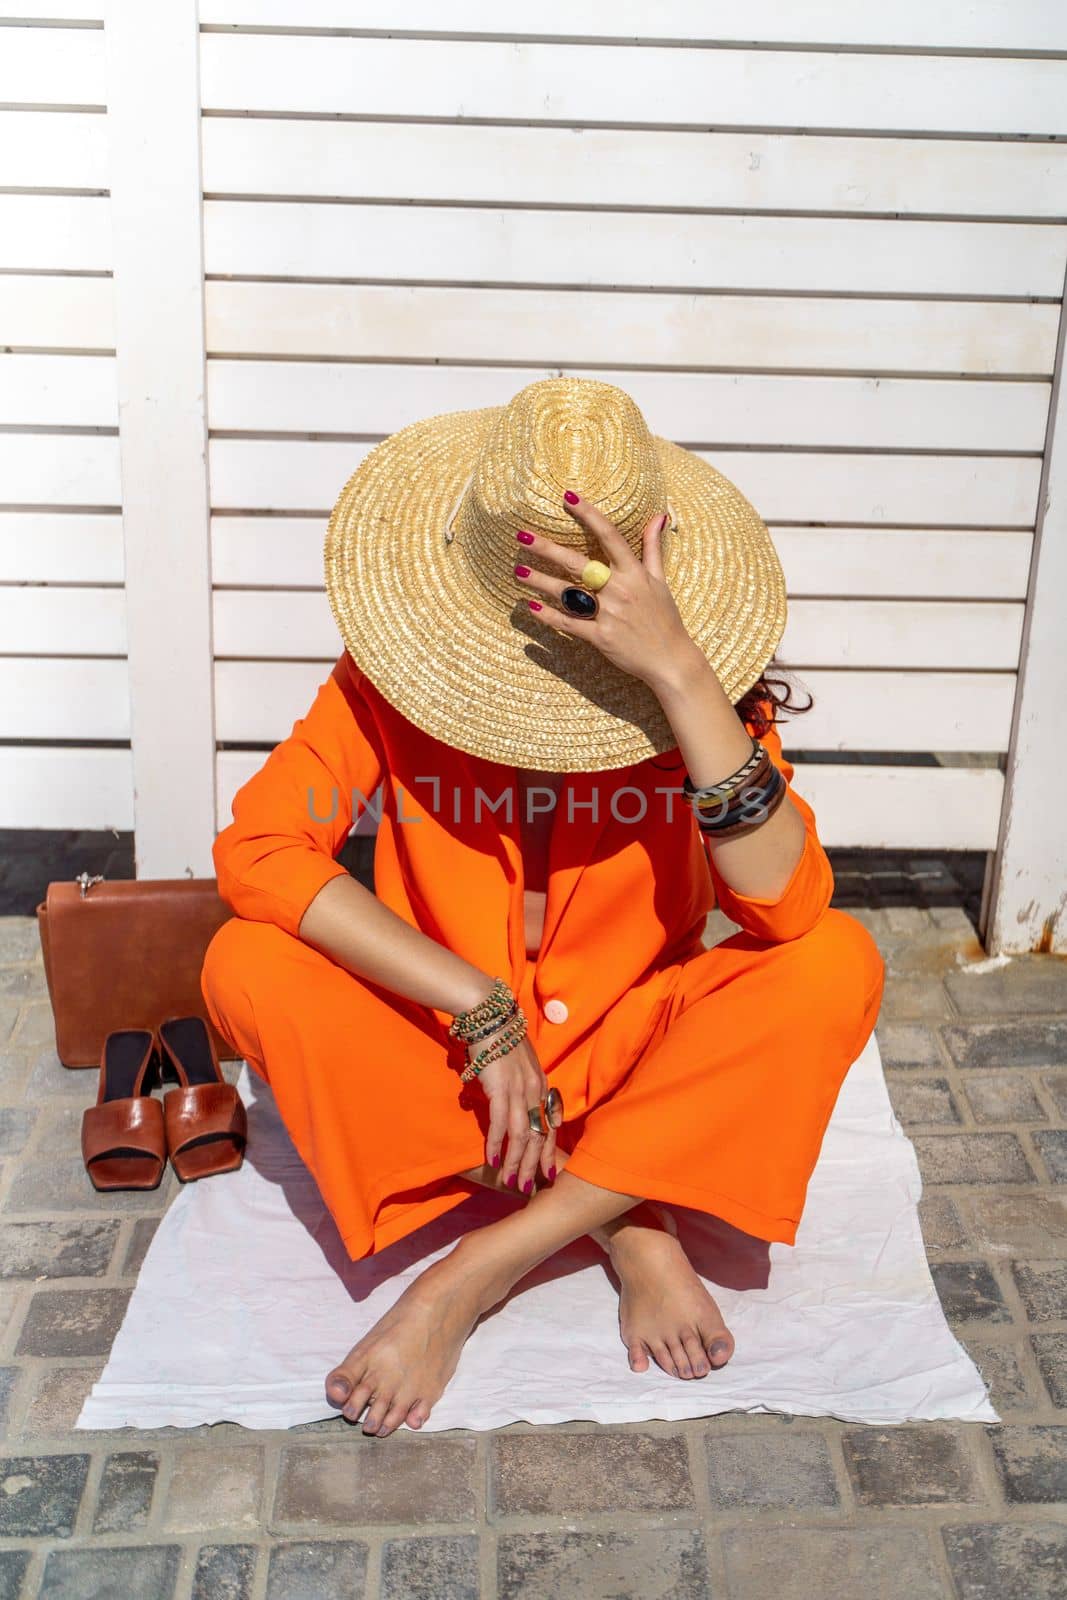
[[700, 1076]]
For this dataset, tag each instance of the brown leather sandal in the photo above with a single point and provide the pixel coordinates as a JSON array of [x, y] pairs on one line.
[[124, 1143], [207, 1128]]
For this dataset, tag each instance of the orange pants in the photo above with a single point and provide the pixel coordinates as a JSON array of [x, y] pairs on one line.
[[723, 1110]]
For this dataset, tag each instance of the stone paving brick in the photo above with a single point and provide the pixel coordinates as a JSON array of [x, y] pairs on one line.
[[1056, 1084], [13, 1566], [1018, 1224], [9, 1376], [224, 1572], [941, 1224], [972, 1158], [72, 1322], [968, 1292], [908, 1466], [19, 940], [427, 1480], [1051, 1146], [40, 1495], [144, 1230], [791, 1469], [21, 982], [126, 1487], [919, 1100], [16, 1124], [907, 1044], [123, 1573], [1002, 1373], [1042, 1287], [325, 1570], [1003, 1097], [1007, 1044], [56, 1249], [51, 1082], [992, 1560], [567, 1473], [57, 1402], [916, 998], [1050, 1353], [62, 1184], [669, 1564], [430, 1569], [1031, 1462], [1028, 984], [36, 1026], [216, 1489], [886, 1563], [15, 1065]]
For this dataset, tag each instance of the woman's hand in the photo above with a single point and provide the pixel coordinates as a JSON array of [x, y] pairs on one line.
[[638, 626], [513, 1084]]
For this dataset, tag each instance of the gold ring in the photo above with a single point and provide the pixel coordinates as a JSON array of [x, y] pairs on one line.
[[594, 575]]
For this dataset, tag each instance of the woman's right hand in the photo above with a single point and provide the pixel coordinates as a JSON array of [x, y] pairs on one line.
[[513, 1084]]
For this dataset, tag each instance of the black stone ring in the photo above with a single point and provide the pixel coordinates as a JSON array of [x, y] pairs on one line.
[[579, 602]]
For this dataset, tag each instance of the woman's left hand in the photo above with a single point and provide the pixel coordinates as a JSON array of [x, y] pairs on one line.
[[638, 626]]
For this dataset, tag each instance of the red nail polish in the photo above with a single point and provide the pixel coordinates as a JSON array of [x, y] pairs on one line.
[[527, 1186], [524, 538], [496, 1161], [522, 572], [662, 523], [512, 1180], [571, 498], [551, 1174], [535, 605]]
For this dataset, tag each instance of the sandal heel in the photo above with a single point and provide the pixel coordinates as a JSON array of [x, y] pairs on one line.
[[205, 1120]]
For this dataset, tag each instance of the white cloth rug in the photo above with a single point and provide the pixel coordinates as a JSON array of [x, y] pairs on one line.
[[246, 1299]]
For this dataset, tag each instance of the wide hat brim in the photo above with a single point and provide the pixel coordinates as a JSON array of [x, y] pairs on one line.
[[474, 667]]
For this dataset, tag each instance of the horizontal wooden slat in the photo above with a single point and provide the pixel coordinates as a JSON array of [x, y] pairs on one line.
[[878, 807], [600, 83], [588, 326], [57, 313], [59, 469], [247, 551], [61, 547], [633, 167], [244, 238], [54, 149], [51, 621], [59, 391], [48, 232], [284, 475], [995, 24], [258, 701], [52, 66], [275, 625], [59, 10], [63, 699], [66, 788], [690, 407]]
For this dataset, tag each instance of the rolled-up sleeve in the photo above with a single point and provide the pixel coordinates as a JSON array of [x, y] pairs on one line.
[[811, 884], [292, 817]]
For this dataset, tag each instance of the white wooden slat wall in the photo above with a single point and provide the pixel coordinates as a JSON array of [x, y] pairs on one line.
[[822, 245], [63, 673]]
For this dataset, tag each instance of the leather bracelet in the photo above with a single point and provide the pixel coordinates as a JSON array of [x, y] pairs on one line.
[[732, 781], [719, 804], [768, 800]]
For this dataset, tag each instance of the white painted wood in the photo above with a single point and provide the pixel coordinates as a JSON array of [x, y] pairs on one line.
[[53, 149], [258, 701], [153, 126], [61, 547], [58, 391], [46, 620], [580, 327], [57, 313], [601, 83], [459, 243], [63, 699], [55, 233], [917, 562], [653, 167], [60, 10], [959, 24], [984, 635], [692, 408], [961, 491], [65, 788], [52, 66], [59, 469]]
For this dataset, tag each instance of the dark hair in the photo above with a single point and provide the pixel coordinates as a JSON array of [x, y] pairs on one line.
[[749, 710]]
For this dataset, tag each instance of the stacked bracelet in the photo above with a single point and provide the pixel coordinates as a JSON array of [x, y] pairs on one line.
[[508, 1037], [747, 798], [486, 1015]]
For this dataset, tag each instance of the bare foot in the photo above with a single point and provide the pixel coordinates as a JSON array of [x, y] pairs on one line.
[[664, 1309], [400, 1368]]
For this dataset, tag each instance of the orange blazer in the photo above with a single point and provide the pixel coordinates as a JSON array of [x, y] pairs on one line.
[[630, 880]]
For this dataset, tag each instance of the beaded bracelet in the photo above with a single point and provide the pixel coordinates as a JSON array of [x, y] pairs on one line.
[[502, 1046], [496, 1003], [493, 1025]]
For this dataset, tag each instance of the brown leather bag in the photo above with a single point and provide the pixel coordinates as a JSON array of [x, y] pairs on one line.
[[126, 954]]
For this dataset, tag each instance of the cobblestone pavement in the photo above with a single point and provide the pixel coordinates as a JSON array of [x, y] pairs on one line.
[[735, 1506]]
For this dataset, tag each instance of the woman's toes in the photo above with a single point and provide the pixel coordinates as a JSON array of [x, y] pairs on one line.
[[638, 1358], [680, 1359], [721, 1349], [417, 1414], [393, 1417], [663, 1358], [698, 1360], [356, 1401], [376, 1414], [338, 1387]]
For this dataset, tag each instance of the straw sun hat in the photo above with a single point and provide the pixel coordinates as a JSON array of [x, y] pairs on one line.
[[420, 554]]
